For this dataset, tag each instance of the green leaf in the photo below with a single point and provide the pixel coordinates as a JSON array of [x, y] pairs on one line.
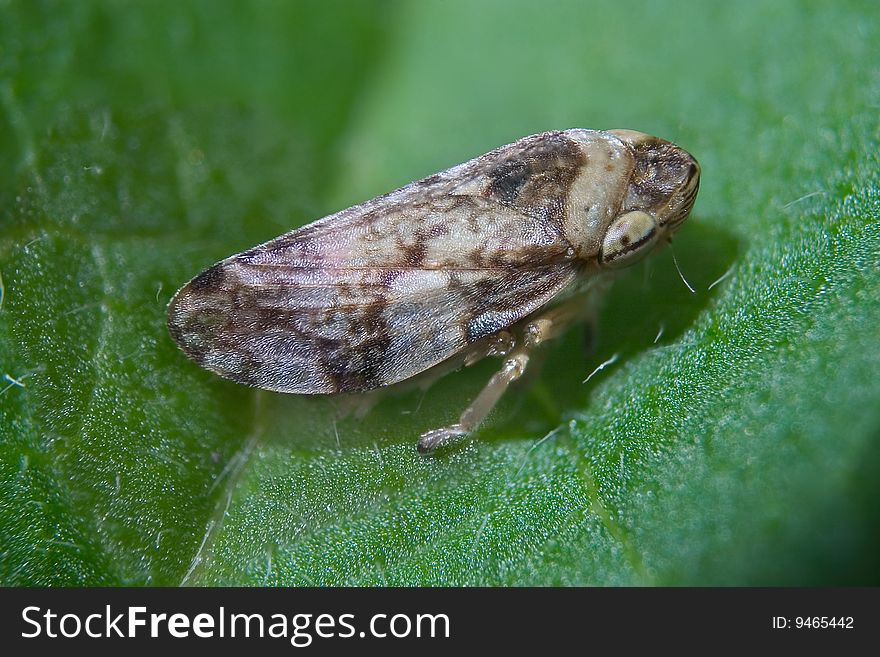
[[733, 440]]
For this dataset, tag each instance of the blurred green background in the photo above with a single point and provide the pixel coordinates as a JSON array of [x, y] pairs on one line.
[[141, 142]]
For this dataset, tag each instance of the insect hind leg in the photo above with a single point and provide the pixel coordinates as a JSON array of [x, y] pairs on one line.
[[473, 415], [535, 332]]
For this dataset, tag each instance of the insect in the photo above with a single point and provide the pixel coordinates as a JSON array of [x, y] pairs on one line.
[[488, 258]]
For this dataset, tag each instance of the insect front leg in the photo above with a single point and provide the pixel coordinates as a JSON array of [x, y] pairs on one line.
[[535, 332]]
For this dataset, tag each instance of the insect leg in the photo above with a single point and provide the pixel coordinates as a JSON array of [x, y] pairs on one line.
[[500, 344], [537, 331], [474, 414], [556, 320]]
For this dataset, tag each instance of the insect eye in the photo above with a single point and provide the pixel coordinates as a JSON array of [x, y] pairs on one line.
[[628, 239]]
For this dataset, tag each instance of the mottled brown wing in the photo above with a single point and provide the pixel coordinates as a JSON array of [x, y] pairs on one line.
[[281, 337], [380, 292]]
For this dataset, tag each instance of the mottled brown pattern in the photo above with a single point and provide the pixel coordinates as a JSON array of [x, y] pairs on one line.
[[537, 180], [660, 168], [413, 255], [209, 280], [507, 180], [384, 290]]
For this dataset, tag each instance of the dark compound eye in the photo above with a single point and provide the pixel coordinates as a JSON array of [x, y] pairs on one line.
[[628, 239]]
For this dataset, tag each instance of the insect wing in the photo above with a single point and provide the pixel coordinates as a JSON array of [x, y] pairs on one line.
[[382, 291]]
